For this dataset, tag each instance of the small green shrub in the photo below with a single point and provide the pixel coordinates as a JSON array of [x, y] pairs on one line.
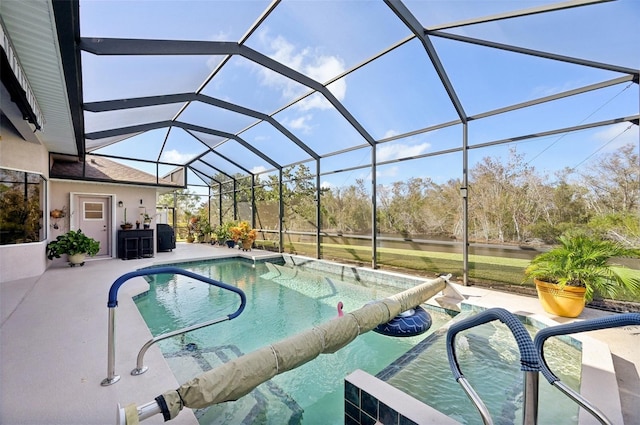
[[223, 232], [71, 243]]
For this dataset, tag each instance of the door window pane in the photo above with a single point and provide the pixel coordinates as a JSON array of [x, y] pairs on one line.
[[93, 210]]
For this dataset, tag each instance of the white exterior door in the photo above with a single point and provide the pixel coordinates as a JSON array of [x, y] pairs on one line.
[[94, 220]]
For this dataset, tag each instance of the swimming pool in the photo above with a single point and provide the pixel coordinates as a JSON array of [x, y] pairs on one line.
[[280, 302], [489, 358]]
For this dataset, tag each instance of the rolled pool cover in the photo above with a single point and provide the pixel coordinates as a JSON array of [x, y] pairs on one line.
[[240, 376]]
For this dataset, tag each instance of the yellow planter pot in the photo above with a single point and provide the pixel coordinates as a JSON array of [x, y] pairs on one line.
[[565, 302]]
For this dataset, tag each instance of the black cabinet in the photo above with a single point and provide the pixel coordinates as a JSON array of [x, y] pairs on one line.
[[166, 237], [135, 243]]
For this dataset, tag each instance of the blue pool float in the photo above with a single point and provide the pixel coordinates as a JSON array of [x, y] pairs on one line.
[[409, 323]]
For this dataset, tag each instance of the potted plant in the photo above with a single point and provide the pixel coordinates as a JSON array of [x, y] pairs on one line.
[[244, 234], [206, 230], [75, 244], [126, 225], [193, 228], [569, 275], [146, 220], [223, 234]]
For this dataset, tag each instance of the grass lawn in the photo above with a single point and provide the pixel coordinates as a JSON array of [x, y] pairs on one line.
[[497, 272], [482, 268]]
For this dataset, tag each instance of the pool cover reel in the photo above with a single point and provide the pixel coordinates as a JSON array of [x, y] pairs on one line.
[[240, 376]]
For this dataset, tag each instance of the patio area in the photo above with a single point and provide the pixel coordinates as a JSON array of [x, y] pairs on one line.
[[54, 344]]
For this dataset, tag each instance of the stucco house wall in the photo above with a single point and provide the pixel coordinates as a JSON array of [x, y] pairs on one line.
[[136, 200], [28, 259]]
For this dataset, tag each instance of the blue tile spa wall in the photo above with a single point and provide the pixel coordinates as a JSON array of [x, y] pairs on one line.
[[361, 408]]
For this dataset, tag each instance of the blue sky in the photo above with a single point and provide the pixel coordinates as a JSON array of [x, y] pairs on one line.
[[395, 94]]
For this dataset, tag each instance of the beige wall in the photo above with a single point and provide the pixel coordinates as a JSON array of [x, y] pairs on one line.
[[22, 260], [60, 196], [130, 196], [29, 260]]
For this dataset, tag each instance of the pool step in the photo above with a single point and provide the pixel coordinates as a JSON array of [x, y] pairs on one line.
[[267, 400]]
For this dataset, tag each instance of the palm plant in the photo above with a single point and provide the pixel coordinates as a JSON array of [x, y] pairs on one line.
[[586, 261]]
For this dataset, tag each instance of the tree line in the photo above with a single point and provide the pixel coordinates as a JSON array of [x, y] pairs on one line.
[[509, 201]]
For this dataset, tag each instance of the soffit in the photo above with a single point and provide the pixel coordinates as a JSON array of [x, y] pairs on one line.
[[31, 28]]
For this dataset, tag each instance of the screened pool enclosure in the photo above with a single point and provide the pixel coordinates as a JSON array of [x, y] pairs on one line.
[[362, 130]]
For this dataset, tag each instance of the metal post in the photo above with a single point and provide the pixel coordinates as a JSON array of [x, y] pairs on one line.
[[174, 218], [465, 204], [144, 411], [280, 213], [318, 210], [112, 303], [477, 401], [235, 201], [209, 191], [111, 378], [141, 368], [374, 209], [220, 204], [530, 405], [253, 201]]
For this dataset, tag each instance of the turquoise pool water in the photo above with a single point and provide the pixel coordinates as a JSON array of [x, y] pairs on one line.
[[280, 302], [488, 357]]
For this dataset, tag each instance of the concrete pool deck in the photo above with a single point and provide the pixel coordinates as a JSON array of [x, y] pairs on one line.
[[53, 342]]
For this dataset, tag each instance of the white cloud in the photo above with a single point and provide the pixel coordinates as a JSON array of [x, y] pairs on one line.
[[282, 51], [547, 90], [221, 35], [307, 61], [388, 171], [258, 169], [315, 101], [390, 133], [300, 123], [176, 157], [262, 176], [391, 151], [285, 52], [327, 185], [323, 69], [619, 135]]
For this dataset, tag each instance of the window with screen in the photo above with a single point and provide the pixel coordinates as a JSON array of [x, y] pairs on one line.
[[22, 204]]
